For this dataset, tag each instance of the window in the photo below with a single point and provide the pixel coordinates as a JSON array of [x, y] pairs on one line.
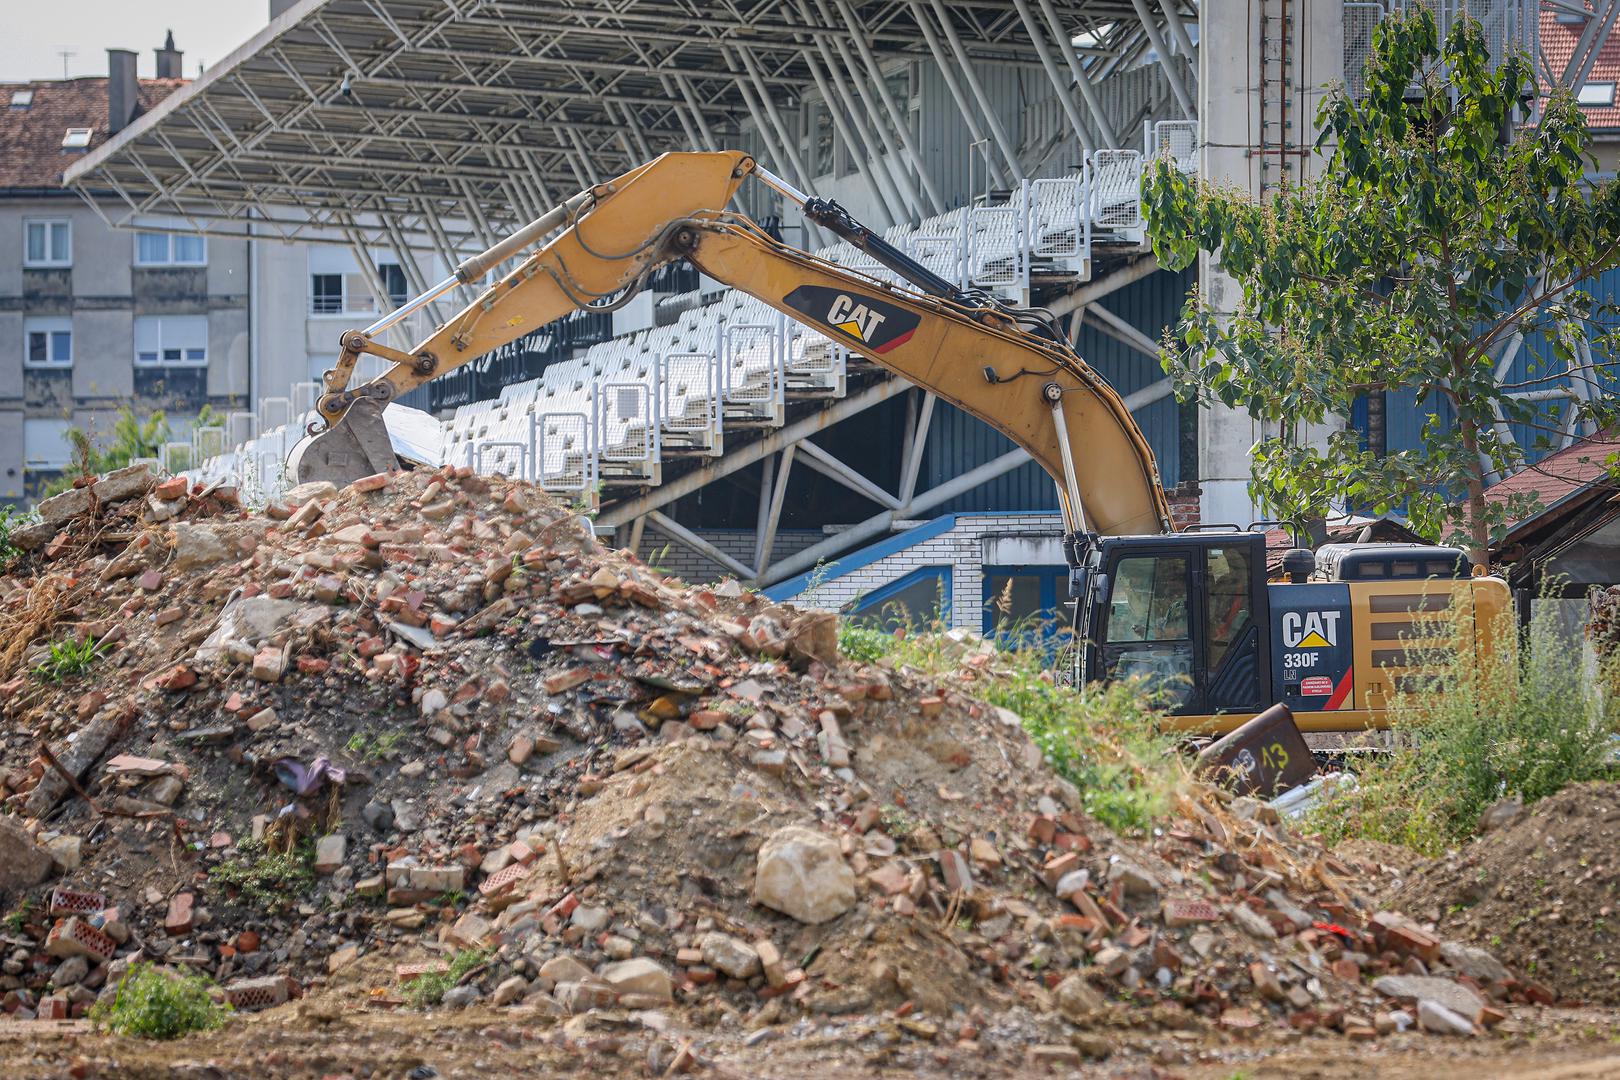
[[1150, 599], [48, 343], [912, 601], [77, 138], [170, 249], [1595, 93], [45, 444], [21, 99], [1025, 600], [348, 294], [1231, 600], [47, 242], [171, 340]]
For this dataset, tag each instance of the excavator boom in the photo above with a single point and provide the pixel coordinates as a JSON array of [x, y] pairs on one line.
[[969, 350]]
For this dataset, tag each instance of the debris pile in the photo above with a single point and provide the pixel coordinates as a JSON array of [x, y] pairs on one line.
[[1540, 887], [430, 715]]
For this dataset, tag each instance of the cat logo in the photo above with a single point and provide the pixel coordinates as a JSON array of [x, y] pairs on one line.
[[1310, 629], [875, 325], [856, 320]]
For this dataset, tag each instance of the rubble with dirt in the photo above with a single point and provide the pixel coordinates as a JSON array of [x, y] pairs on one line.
[[363, 731], [1540, 888]]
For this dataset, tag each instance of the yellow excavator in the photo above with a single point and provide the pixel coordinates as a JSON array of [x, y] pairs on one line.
[[1192, 612]]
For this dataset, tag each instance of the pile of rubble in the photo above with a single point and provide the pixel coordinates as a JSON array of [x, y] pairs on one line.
[[431, 714]]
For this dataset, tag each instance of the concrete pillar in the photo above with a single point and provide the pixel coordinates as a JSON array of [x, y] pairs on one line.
[[1230, 101]]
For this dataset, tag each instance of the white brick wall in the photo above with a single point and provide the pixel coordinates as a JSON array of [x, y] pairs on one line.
[[958, 549]]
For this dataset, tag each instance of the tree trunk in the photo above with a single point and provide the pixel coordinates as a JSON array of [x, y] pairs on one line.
[[1479, 539]]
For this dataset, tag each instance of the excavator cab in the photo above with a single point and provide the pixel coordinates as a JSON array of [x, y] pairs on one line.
[[1187, 612]]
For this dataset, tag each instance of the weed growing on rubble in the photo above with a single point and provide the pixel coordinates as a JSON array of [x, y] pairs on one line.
[[1502, 726], [68, 658], [430, 988], [267, 879], [8, 549], [1103, 739], [153, 1003]]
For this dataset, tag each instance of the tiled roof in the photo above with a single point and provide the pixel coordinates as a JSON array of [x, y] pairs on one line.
[[1558, 42], [1559, 475], [31, 154]]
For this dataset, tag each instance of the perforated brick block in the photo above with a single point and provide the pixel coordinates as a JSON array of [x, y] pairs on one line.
[[502, 880], [65, 901], [1188, 912], [75, 937], [250, 995]]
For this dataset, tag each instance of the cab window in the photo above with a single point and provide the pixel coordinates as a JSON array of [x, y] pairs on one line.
[[1231, 601], [1149, 599]]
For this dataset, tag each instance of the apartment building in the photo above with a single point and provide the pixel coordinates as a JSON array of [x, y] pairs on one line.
[[93, 319]]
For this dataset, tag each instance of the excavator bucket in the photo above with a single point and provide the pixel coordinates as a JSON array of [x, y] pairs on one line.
[[356, 446]]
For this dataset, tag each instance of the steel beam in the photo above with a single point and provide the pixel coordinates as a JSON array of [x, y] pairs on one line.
[[879, 524], [1082, 78], [1189, 108], [999, 132], [827, 465], [900, 115], [746, 455], [1088, 142], [778, 490], [682, 535]]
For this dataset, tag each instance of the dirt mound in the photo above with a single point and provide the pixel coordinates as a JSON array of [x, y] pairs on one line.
[[1542, 893], [366, 729]]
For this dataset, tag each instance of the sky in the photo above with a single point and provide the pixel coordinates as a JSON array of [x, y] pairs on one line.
[[37, 31]]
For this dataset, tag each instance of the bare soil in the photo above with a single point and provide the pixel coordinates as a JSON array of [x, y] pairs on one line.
[[1542, 894]]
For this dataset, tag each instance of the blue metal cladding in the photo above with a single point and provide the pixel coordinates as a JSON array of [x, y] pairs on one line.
[[958, 442], [1531, 368]]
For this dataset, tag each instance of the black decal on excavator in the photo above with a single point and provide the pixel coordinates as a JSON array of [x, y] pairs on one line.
[[876, 325]]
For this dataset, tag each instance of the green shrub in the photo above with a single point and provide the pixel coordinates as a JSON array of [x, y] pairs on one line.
[[69, 657], [154, 1003], [1105, 739], [267, 879], [1525, 726], [10, 521], [863, 644], [430, 988]]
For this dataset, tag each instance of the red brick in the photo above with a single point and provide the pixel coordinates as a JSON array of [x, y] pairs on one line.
[[958, 875], [179, 677], [178, 921], [374, 482], [1042, 829], [65, 901], [1054, 869], [566, 680], [1409, 939], [1185, 912], [172, 488]]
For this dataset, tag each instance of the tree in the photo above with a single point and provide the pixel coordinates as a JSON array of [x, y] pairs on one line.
[[1437, 231]]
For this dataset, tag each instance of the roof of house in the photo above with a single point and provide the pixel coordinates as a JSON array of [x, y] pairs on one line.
[[1559, 34], [31, 152], [1580, 467]]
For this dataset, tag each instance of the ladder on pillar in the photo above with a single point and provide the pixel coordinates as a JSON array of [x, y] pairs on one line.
[[1279, 143]]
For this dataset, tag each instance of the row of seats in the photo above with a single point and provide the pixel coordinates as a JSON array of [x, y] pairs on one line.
[[610, 414]]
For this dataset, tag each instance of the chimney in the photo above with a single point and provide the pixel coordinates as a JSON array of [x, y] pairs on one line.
[[168, 59], [123, 91]]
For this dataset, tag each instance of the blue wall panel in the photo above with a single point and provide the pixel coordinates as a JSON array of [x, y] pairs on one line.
[[1405, 417]]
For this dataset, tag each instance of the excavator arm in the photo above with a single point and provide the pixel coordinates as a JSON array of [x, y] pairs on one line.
[[967, 350]]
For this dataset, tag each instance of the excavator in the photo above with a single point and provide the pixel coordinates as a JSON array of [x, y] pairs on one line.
[[1194, 613]]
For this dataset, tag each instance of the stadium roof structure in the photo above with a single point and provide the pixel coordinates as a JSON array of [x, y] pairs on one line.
[[347, 120]]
